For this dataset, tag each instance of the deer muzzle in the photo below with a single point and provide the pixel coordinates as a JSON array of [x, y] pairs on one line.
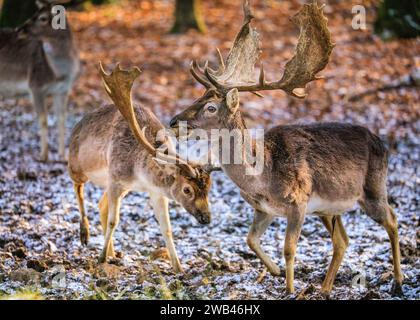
[[203, 217], [176, 127], [201, 211]]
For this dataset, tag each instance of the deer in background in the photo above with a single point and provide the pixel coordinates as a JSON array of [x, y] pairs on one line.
[[321, 168], [39, 61], [110, 149]]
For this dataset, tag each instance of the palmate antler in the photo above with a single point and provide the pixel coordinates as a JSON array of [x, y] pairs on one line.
[[239, 66], [118, 85], [312, 55]]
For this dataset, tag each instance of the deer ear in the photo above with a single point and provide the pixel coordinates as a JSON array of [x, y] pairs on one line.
[[232, 100], [187, 170], [40, 4]]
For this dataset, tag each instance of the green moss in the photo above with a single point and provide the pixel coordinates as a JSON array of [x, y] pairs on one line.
[[24, 294], [15, 12], [398, 19]]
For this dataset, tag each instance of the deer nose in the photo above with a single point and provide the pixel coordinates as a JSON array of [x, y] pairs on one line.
[[204, 219], [173, 122]]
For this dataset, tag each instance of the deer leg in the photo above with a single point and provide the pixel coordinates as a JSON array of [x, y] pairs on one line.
[[380, 211], [258, 227], [38, 100], [60, 107], [103, 211], [114, 195], [295, 219], [391, 226], [160, 208], [340, 242], [84, 222]]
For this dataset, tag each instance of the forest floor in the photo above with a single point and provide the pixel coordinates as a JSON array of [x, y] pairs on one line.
[[40, 251]]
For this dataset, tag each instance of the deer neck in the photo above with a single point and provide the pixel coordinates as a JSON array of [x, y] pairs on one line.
[[61, 54], [163, 177], [239, 132]]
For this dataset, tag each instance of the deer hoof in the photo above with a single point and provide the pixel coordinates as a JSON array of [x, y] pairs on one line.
[[325, 290], [63, 158], [84, 236], [290, 290], [274, 271], [178, 268], [102, 259], [325, 293], [397, 289], [43, 157]]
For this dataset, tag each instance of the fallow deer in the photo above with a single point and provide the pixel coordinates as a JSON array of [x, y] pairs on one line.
[[110, 149], [40, 61], [321, 168]]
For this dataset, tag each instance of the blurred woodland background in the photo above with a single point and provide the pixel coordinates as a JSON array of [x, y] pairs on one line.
[[365, 73], [373, 79], [162, 37]]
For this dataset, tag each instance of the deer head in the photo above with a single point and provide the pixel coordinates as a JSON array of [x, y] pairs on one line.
[[40, 25], [191, 182], [220, 102]]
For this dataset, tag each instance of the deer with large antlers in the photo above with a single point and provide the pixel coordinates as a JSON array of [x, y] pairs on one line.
[[321, 169], [118, 151], [40, 61]]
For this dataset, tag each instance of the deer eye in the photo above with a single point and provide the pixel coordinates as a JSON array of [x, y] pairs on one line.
[[211, 109], [43, 19]]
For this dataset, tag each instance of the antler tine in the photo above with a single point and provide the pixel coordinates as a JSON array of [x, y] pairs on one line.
[[222, 66], [213, 79], [261, 81], [262, 76], [195, 69], [224, 88], [248, 16], [118, 85], [209, 69]]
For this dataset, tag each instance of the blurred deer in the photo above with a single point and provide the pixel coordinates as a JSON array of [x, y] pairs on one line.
[[118, 152], [39, 61], [321, 169]]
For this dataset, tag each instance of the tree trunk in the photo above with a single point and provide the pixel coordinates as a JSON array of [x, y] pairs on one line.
[[15, 12], [188, 16], [398, 19], [97, 2]]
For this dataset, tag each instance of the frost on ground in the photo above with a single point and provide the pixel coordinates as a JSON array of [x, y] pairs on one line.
[[40, 249]]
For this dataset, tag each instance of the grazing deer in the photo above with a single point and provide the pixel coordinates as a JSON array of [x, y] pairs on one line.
[[321, 169], [39, 61], [109, 149]]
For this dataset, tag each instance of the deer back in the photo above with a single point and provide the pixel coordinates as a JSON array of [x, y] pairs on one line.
[[104, 140], [331, 160]]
